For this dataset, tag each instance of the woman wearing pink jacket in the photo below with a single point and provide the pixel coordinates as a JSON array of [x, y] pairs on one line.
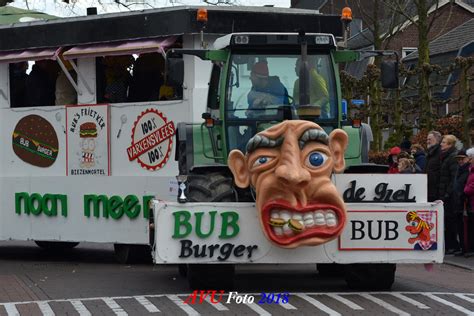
[[469, 188]]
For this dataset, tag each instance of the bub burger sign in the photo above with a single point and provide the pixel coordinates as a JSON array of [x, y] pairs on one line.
[[152, 140]]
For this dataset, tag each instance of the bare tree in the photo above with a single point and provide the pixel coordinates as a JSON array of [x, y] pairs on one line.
[[423, 18], [381, 24]]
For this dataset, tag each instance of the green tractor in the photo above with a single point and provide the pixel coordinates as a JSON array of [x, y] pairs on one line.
[[258, 80]]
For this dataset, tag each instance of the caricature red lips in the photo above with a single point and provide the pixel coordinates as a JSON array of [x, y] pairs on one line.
[[317, 220]]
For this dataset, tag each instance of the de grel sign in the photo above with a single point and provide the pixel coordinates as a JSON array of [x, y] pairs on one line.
[[382, 188]]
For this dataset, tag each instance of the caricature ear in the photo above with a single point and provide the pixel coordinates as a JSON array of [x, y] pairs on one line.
[[238, 166], [338, 143]]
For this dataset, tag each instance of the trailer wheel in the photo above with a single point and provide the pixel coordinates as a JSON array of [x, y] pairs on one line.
[[370, 276], [126, 254], [56, 245], [211, 276], [205, 186]]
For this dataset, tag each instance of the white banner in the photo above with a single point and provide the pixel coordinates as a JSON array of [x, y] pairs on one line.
[[231, 233], [88, 139]]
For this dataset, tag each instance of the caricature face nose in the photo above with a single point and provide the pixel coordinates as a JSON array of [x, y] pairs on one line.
[[290, 170]]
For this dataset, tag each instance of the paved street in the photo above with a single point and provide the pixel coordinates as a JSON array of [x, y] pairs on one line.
[[87, 281]]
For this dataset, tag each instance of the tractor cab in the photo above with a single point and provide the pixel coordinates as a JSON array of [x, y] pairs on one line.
[[261, 79], [269, 78]]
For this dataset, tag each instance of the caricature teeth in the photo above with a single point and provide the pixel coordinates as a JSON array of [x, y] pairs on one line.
[[278, 231], [287, 231], [287, 223], [319, 218]]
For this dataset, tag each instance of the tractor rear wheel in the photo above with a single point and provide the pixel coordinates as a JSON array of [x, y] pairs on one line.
[[210, 187]]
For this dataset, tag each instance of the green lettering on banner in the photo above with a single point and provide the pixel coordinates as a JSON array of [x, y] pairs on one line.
[[115, 207], [199, 232], [34, 203], [63, 199], [181, 218], [131, 206], [21, 196], [146, 206], [229, 219], [49, 199], [97, 201]]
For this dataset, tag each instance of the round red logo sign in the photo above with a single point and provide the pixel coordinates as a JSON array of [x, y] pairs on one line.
[[152, 139]]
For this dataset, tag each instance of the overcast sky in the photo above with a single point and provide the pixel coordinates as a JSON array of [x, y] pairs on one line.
[[58, 8]]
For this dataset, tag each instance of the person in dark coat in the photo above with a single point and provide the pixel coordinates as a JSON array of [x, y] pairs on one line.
[[147, 78], [461, 202], [405, 145], [41, 83], [420, 156], [447, 175], [18, 79], [433, 164]]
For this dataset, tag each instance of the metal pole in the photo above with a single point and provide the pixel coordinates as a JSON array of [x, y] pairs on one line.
[[81, 77], [68, 76]]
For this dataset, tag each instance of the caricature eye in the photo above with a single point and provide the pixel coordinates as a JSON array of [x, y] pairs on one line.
[[261, 161], [316, 159], [413, 224]]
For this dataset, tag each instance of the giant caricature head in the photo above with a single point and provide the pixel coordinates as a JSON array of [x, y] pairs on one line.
[[290, 166]]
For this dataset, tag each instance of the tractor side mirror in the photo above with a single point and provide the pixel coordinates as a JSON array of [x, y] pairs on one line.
[[389, 74], [175, 71]]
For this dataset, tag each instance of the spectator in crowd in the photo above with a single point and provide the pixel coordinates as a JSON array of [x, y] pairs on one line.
[[167, 92], [393, 159], [266, 89], [409, 156], [18, 79], [469, 191], [461, 202], [147, 78], [405, 165], [117, 78], [41, 83], [405, 144], [419, 154], [433, 164], [447, 175]]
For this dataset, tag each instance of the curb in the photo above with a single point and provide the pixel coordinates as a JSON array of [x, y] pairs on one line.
[[459, 265]]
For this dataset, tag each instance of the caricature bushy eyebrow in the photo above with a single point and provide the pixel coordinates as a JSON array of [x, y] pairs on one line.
[[261, 141], [314, 134]]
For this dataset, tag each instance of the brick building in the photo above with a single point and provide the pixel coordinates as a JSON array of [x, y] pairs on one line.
[[459, 42]]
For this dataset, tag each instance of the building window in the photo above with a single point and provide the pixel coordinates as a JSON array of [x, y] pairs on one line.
[[407, 51]]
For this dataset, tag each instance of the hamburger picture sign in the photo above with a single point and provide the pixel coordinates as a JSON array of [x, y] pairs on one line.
[[35, 141], [88, 150]]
